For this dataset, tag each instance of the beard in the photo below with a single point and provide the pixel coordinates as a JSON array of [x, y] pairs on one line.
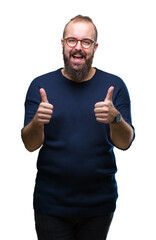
[[82, 72]]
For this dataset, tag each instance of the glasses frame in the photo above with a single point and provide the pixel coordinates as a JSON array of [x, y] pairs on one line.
[[79, 40]]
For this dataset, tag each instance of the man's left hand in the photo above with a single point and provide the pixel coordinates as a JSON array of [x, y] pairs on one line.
[[105, 112]]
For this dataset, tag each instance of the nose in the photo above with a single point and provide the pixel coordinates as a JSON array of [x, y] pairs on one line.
[[78, 45]]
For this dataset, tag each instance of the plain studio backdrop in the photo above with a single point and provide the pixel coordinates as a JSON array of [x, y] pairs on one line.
[[30, 45]]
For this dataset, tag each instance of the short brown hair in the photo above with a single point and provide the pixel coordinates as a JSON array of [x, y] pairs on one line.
[[81, 18]]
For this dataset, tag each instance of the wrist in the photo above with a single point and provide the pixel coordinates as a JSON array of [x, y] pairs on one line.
[[36, 125], [117, 118]]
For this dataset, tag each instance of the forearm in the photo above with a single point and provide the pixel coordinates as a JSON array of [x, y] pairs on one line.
[[33, 135], [121, 134]]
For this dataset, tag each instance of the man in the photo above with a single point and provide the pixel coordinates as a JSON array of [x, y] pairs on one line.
[[76, 114]]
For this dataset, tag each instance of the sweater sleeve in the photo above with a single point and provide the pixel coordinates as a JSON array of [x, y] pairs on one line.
[[122, 102], [32, 102]]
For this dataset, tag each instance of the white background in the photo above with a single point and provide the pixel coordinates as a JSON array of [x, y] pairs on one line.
[[30, 45]]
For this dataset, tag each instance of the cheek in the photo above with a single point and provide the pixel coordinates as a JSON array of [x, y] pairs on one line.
[[90, 53], [66, 51]]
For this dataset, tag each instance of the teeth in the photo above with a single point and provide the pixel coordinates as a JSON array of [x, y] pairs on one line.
[[78, 56]]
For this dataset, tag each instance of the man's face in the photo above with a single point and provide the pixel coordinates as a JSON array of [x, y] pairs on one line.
[[78, 60]]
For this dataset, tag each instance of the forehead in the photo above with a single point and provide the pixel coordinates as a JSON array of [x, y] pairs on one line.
[[80, 30]]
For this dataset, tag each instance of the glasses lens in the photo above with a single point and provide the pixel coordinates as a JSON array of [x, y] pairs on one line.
[[71, 42], [86, 43]]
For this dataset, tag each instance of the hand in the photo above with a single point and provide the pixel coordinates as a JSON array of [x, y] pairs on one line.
[[45, 110], [105, 111]]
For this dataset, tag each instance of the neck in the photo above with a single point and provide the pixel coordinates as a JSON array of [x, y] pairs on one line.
[[88, 77]]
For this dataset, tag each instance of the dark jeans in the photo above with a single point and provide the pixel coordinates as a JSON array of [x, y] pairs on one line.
[[61, 228]]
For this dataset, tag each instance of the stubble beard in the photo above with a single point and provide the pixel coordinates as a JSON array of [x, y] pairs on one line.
[[81, 73]]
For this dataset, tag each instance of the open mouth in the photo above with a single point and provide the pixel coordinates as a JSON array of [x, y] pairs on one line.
[[78, 58]]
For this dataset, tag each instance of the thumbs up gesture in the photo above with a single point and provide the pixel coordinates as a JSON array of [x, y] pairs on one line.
[[45, 109], [105, 112]]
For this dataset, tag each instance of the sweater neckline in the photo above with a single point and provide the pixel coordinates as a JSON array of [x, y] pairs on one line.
[[67, 80]]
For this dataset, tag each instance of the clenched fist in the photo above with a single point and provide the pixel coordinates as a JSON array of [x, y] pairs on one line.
[[105, 112], [45, 109]]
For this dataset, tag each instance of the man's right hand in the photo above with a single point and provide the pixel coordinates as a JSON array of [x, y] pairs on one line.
[[44, 111], [33, 133]]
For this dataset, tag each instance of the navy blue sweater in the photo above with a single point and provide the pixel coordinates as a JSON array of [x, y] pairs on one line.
[[76, 164]]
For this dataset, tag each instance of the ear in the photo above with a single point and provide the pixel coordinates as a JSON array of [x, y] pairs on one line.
[[62, 42], [95, 47]]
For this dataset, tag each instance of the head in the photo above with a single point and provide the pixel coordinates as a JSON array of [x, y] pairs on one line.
[[78, 57]]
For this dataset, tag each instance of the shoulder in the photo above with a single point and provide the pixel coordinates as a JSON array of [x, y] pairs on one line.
[[42, 81], [109, 76], [46, 77], [109, 79]]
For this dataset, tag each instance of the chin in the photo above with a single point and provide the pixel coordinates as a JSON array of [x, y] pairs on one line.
[[77, 66]]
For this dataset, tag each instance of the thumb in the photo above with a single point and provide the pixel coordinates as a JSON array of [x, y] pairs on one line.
[[43, 95], [110, 93]]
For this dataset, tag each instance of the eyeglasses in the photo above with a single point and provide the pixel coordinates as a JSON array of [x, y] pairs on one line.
[[85, 43]]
